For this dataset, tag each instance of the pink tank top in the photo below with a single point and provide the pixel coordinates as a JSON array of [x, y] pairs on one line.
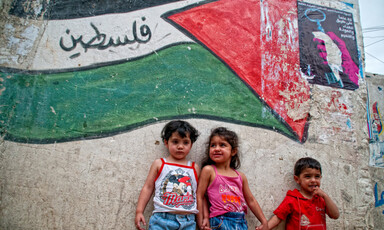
[[225, 194]]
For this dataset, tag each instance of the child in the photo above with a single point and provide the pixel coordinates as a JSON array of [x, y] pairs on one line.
[[305, 209], [227, 189], [174, 180]]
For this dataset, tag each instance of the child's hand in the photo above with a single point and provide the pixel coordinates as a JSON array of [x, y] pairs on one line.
[[138, 220], [262, 227], [205, 224], [318, 191], [331, 210]]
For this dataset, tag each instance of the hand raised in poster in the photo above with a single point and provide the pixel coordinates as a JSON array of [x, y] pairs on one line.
[[335, 54]]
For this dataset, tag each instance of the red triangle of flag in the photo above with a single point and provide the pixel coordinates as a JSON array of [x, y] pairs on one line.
[[259, 42]]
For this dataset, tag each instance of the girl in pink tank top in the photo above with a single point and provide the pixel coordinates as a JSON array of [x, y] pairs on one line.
[[226, 188]]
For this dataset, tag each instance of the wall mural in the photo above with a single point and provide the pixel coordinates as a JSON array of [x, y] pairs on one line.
[[379, 197], [116, 67]]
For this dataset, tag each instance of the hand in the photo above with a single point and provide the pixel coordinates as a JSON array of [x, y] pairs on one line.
[[138, 220], [349, 67], [205, 224], [322, 49], [262, 227], [259, 227], [318, 191], [331, 210]]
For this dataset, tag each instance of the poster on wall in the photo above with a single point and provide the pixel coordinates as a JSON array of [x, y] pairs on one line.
[[328, 48], [375, 108]]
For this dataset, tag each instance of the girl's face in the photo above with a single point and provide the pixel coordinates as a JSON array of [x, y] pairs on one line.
[[220, 151], [178, 146]]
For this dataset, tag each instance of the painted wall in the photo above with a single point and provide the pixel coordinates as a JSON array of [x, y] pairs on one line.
[[375, 84], [86, 88]]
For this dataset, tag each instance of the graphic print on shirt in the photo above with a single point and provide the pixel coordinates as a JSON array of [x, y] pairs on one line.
[[321, 211], [231, 202], [304, 221], [176, 189]]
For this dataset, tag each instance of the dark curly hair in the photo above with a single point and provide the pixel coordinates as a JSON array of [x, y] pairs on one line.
[[231, 138], [182, 128]]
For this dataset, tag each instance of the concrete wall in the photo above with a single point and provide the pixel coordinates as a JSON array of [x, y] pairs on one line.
[[81, 111], [375, 84]]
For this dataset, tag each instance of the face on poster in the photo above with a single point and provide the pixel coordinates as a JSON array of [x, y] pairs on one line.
[[328, 48]]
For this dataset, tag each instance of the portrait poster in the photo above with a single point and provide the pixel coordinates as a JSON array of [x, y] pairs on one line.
[[328, 48]]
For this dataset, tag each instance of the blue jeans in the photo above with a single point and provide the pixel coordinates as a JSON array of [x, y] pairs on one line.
[[229, 221], [170, 221]]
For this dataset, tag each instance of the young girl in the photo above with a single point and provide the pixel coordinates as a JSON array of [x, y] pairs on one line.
[[227, 190], [173, 181]]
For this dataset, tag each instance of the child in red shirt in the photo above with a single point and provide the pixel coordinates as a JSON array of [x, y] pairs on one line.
[[305, 208]]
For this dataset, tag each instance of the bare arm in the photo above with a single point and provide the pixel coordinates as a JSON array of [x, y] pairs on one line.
[[197, 168], [146, 193], [273, 222], [331, 207], [253, 204], [202, 206], [206, 214]]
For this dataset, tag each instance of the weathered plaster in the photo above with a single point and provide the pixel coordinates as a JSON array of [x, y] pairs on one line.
[[94, 184]]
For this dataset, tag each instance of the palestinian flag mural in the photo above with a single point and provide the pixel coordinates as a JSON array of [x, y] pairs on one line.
[[118, 66]]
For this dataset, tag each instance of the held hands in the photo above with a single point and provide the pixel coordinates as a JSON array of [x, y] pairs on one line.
[[259, 227], [262, 227], [205, 224], [138, 220]]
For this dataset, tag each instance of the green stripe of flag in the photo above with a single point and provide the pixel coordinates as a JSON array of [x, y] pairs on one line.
[[182, 81]]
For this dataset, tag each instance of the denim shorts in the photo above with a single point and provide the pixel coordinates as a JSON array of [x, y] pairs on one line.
[[170, 221], [229, 221]]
